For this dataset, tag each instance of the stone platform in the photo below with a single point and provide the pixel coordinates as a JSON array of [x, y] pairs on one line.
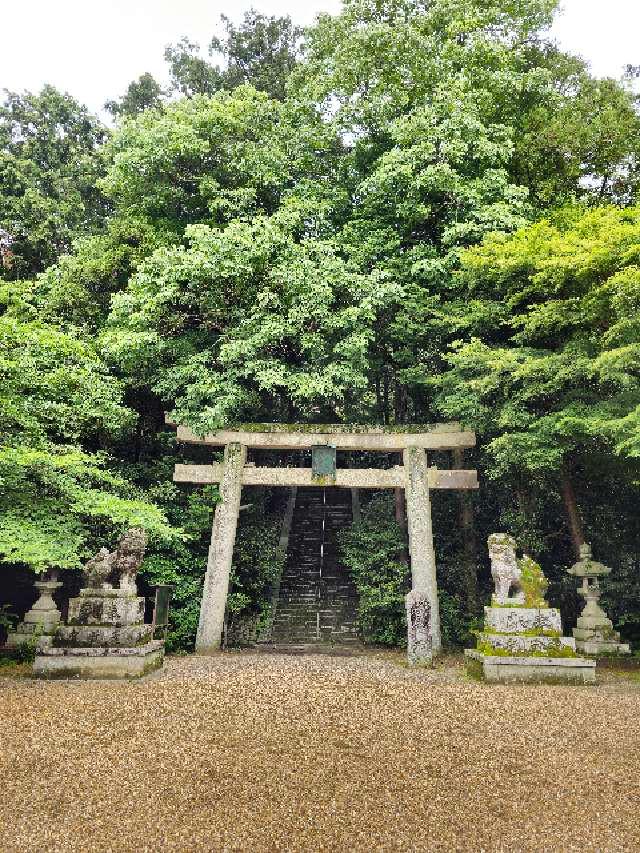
[[105, 635], [114, 662], [522, 638], [537, 670]]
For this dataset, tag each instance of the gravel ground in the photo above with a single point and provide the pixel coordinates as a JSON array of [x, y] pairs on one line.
[[273, 752]]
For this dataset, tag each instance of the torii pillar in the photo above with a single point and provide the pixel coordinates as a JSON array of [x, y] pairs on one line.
[[423, 609], [223, 537]]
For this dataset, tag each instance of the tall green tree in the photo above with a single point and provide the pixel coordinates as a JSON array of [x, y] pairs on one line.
[[262, 51], [58, 404], [142, 94], [190, 73], [441, 104], [49, 166], [547, 367]]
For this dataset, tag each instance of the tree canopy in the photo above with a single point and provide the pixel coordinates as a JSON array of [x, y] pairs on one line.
[[411, 211]]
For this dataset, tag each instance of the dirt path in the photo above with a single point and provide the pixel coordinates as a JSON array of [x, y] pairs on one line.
[[272, 752]]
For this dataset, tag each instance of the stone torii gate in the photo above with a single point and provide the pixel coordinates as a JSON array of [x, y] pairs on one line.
[[413, 475]]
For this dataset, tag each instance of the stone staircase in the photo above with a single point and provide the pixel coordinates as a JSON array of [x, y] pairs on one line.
[[318, 600]]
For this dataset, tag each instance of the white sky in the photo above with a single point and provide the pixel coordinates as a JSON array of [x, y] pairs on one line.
[[94, 48]]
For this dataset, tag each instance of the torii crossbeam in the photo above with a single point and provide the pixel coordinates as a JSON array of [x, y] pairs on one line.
[[414, 476]]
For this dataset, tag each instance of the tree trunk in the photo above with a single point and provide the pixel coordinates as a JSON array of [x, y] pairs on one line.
[[356, 512], [469, 542], [571, 508], [401, 521]]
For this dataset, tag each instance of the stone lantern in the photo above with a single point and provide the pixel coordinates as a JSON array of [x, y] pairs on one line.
[[41, 622], [594, 632]]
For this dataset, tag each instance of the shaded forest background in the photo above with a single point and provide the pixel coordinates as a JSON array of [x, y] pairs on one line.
[[410, 212]]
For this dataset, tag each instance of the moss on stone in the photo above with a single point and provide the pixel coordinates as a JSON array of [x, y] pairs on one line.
[[411, 429], [558, 651], [474, 669], [533, 632], [533, 583]]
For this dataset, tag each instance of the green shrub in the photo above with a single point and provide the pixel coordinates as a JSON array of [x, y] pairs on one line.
[[256, 562], [373, 550]]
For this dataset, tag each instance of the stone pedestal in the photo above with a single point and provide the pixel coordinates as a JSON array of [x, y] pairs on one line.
[[522, 670], [522, 637], [105, 635], [594, 633], [40, 623], [99, 662]]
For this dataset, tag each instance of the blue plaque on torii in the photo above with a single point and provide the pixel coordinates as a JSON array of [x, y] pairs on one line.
[[323, 462]]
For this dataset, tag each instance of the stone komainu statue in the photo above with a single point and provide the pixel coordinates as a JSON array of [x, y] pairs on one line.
[[505, 571], [98, 570], [120, 566]]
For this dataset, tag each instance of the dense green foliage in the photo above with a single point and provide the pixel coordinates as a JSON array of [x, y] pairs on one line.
[[142, 94], [424, 210], [48, 172], [58, 497], [257, 562], [373, 550], [262, 51], [548, 361]]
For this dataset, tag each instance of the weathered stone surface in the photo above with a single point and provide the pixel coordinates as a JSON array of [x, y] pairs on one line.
[[121, 566], [109, 607], [505, 571], [40, 622], [523, 643], [423, 558], [346, 478], [515, 620], [498, 669], [223, 535], [416, 478], [517, 643], [115, 662], [341, 436], [105, 607], [29, 634], [419, 635], [103, 635]]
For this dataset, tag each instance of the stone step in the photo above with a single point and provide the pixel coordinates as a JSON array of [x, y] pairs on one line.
[[315, 590]]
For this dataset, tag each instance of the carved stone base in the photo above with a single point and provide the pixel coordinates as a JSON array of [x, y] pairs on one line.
[[115, 663], [514, 620], [26, 633], [537, 670], [599, 647], [419, 643], [113, 607], [518, 643], [102, 636], [596, 636]]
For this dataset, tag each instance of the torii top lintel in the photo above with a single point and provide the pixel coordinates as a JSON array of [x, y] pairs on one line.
[[448, 436]]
